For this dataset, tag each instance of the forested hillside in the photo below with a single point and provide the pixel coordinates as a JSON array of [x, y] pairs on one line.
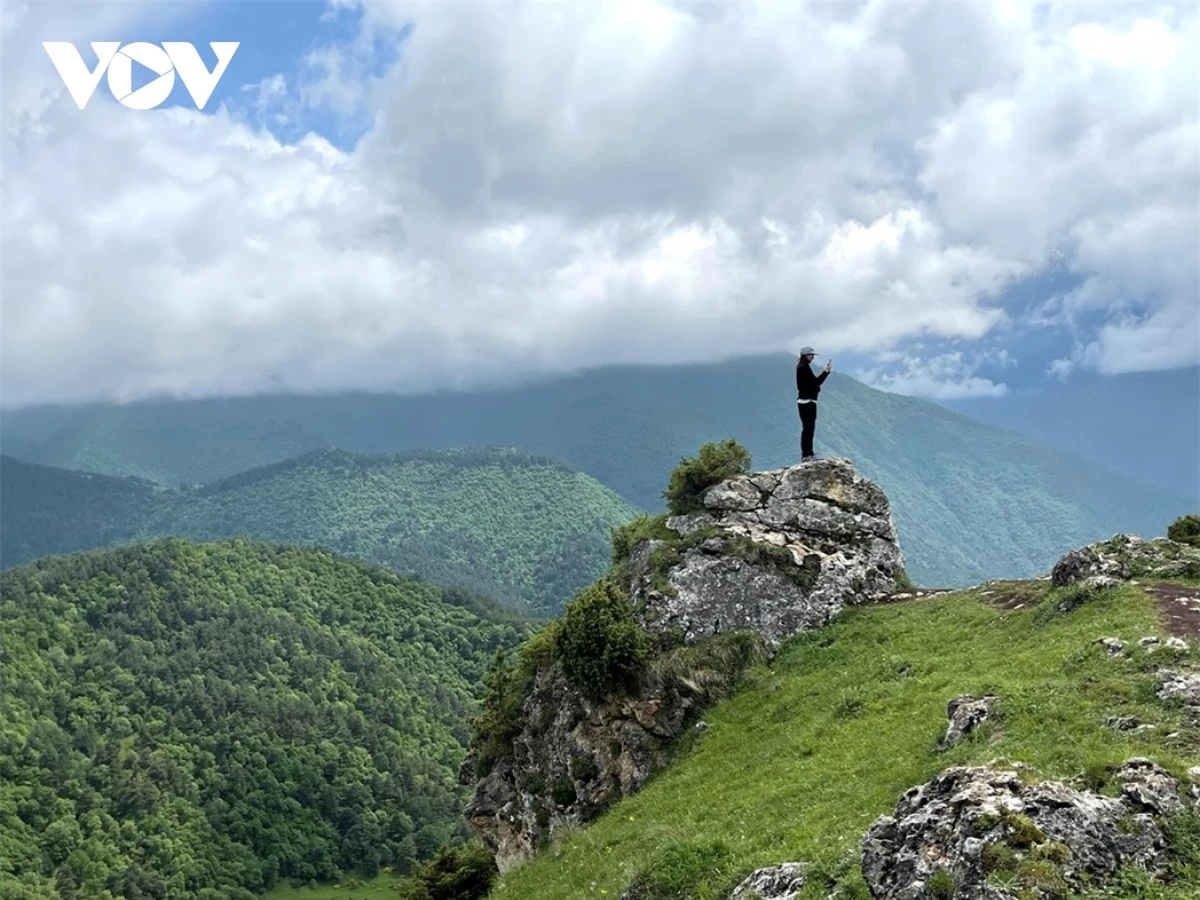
[[523, 530], [200, 720], [1158, 440], [45, 509], [971, 501]]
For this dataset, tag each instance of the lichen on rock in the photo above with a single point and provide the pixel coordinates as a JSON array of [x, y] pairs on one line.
[[984, 834], [1126, 556], [776, 552], [770, 555]]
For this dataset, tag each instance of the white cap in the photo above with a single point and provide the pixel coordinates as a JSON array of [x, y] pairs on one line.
[[807, 351]]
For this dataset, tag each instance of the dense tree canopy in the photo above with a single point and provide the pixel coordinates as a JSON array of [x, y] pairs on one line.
[[524, 530], [199, 720]]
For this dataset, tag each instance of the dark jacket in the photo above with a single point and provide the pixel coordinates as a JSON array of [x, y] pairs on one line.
[[808, 385]]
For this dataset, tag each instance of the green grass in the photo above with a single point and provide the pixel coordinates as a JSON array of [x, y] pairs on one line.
[[381, 887], [798, 764]]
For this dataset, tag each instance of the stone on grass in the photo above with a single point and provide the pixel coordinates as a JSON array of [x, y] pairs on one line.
[[966, 713], [781, 882]]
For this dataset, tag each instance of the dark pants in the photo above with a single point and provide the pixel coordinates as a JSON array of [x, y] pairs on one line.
[[808, 425]]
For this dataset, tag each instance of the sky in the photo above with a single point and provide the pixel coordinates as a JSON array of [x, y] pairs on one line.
[[950, 200]]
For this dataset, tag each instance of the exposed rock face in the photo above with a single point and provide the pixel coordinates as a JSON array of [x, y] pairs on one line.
[[776, 552], [782, 882], [969, 822], [574, 757], [1126, 556], [966, 713]]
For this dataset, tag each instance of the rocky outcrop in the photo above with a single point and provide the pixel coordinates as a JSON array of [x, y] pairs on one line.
[[966, 713], [574, 756], [776, 552], [773, 553], [1126, 556], [946, 837], [782, 882]]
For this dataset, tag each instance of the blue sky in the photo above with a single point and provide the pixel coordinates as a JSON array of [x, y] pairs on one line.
[[950, 200], [276, 37]]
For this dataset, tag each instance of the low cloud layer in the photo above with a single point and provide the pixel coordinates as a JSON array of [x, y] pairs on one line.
[[548, 187]]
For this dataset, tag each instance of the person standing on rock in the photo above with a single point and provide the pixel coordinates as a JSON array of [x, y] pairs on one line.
[[808, 386]]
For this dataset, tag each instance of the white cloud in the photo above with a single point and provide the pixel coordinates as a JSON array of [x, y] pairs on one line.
[[545, 187], [947, 376]]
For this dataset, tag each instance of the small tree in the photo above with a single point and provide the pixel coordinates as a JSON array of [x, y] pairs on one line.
[[602, 648], [692, 477], [1185, 530]]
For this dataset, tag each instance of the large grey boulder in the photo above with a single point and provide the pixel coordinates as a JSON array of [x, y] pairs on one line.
[[775, 552], [969, 823]]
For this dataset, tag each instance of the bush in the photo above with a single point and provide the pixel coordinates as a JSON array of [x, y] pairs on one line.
[[692, 477], [1185, 530], [602, 648], [462, 872]]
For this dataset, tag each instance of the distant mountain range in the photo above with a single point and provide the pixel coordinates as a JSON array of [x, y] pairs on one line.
[[523, 530], [971, 501], [1144, 425]]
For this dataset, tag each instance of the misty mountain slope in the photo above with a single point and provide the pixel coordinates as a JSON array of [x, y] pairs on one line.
[[971, 501], [45, 509], [524, 530], [1145, 425]]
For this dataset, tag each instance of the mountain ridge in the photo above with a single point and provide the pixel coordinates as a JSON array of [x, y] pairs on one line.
[[972, 501], [523, 529]]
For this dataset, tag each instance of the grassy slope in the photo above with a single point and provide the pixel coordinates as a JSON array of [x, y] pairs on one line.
[[524, 530], [800, 762], [1006, 505]]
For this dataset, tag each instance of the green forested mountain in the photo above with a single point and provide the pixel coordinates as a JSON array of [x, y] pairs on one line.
[[199, 720], [44, 509], [524, 530], [971, 501]]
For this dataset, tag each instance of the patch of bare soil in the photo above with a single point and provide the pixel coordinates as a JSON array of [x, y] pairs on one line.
[[1008, 594], [907, 596], [1179, 607]]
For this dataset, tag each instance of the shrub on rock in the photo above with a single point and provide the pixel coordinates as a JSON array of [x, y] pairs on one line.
[[692, 477], [1185, 530], [602, 648]]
